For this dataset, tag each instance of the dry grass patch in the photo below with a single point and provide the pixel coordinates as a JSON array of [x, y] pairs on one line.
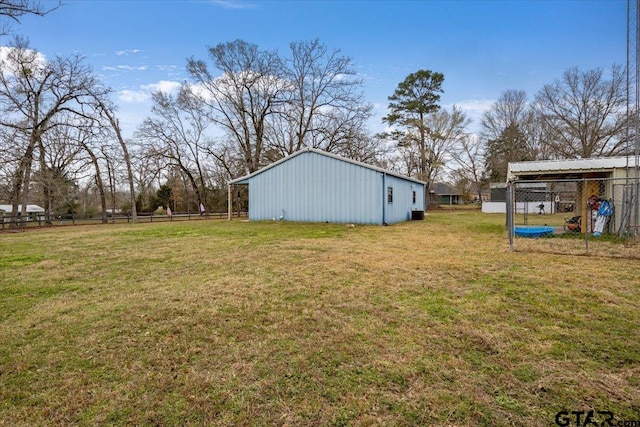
[[422, 323]]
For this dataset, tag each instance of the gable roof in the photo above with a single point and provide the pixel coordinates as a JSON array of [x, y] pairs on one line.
[[246, 178], [442, 189]]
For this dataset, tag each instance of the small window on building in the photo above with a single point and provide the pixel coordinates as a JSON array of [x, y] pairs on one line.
[[389, 194], [414, 197]]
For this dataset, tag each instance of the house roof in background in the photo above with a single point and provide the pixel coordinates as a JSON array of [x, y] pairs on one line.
[[442, 189]]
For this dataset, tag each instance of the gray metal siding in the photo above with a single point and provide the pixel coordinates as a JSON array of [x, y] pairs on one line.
[[315, 188], [400, 209]]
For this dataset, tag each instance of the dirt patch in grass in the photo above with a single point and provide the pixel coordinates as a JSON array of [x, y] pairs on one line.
[[431, 322]]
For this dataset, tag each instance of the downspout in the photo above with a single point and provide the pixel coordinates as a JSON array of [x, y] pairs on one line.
[[384, 198]]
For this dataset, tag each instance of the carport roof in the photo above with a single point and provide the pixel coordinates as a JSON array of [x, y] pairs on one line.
[[573, 166]]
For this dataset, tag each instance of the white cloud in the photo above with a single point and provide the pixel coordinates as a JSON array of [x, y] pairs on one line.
[[166, 86], [170, 70], [233, 4], [124, 68], [127, 52], [133, 96], [131, 68], [474, 107], [143, 94], [5, 57]]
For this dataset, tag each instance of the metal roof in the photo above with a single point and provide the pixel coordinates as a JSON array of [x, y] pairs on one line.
[[30, 208], [242, 179], [574, 165]]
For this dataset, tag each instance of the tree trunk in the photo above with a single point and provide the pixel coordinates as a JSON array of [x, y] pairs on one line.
[[21, 186], [99, 183], [116, 128]]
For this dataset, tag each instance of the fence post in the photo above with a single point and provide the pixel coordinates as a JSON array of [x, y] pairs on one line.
[[586, 220], [510, 214]]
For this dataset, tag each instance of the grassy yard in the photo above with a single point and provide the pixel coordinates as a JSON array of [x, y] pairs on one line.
[[430, 322]]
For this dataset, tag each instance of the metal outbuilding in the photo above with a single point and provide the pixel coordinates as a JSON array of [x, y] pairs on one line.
[[312, 185]]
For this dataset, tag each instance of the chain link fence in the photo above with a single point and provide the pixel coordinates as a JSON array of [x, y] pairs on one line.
[[595, 216]]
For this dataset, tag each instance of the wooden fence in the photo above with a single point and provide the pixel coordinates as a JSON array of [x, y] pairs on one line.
[[8, 222]]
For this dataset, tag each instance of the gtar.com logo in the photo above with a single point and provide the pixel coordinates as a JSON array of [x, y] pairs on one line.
[[566, 418]]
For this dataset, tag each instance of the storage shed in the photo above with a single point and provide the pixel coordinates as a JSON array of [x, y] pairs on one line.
[[312, 185]]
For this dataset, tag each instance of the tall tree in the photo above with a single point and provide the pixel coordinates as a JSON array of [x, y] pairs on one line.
[[244, 96], [324, 105], [411, 105], [176, 133], [585, 113], [107, 111], [445, 129], [512, 108], [59, 161], [87, 141], [33, 94], [510, 146], [468, 155]]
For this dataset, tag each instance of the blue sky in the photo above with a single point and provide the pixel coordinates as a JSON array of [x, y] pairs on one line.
[[482, 47]]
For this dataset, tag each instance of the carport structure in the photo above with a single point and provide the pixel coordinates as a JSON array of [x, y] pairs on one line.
[[611, 178]]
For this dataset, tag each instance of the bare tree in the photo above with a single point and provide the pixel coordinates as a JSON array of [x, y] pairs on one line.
[[59, 162], [512, 108], [325, 105], [110, 156], [468, 156], [425, 153], [510, 131], [87, 142], [107, 111], [444, 131], [244, 96], [12, 150], [33, 94], [147, 171], [176, 133], [585, 113], [13, 10]]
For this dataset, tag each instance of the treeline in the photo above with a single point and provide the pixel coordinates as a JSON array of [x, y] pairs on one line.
[[243, 108]]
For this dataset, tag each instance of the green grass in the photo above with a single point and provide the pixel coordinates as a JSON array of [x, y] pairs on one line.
[[430, 322]]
